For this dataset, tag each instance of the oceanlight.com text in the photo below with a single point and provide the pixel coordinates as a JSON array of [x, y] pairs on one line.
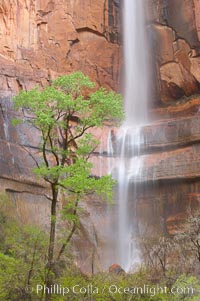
[[113, 289]]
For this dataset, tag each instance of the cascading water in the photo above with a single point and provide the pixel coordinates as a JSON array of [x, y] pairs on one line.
[[110, 153], [136, 92], [136, 83]]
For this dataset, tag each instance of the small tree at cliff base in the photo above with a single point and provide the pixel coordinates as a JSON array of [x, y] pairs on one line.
[[64, 113]]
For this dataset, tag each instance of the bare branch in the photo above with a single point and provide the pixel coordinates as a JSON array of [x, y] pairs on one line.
[[30, 154]]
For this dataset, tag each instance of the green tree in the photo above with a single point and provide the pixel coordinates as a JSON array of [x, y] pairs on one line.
[[64, 113]]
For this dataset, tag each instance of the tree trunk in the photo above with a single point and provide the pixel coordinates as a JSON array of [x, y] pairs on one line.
[[73, 229], [50, 260]]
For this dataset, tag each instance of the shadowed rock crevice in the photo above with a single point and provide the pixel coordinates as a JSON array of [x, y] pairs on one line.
[[87, 29]]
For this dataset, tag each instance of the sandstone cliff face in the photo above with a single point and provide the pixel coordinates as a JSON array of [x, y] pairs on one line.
[[41, 39], [175, 38], [172, 168]]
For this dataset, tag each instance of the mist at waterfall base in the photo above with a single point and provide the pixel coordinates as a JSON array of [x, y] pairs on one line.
[[129, 139]]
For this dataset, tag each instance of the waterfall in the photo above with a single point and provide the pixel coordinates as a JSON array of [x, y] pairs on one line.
[[110, 153], [130, 140], [135, 60]]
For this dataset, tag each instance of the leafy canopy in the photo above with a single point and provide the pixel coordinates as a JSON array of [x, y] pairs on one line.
[[64, 113]]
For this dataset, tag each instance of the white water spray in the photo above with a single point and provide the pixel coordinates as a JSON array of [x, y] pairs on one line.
[[136, 93]]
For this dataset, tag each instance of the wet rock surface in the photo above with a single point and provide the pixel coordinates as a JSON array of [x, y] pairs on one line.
[[166, 186]]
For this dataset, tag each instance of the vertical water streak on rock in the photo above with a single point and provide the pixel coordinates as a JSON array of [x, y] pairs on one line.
[[6, 106], [101, 157], [110, 153]]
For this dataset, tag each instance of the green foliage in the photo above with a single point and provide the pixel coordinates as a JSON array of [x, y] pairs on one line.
[[53, 111], [187, 288], [22, 266], [74, 83], [65, 113], [105, 106], [22, 254], [9, 267], [125, 287], [63, 98]]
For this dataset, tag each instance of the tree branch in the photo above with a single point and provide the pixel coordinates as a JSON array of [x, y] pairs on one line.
[[71, 232], [52, 151], [44, 151], [80, 134], [30, 154]]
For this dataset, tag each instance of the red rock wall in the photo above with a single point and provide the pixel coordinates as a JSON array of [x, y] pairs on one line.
[[175, 38], [41, 39], [44, 38]]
